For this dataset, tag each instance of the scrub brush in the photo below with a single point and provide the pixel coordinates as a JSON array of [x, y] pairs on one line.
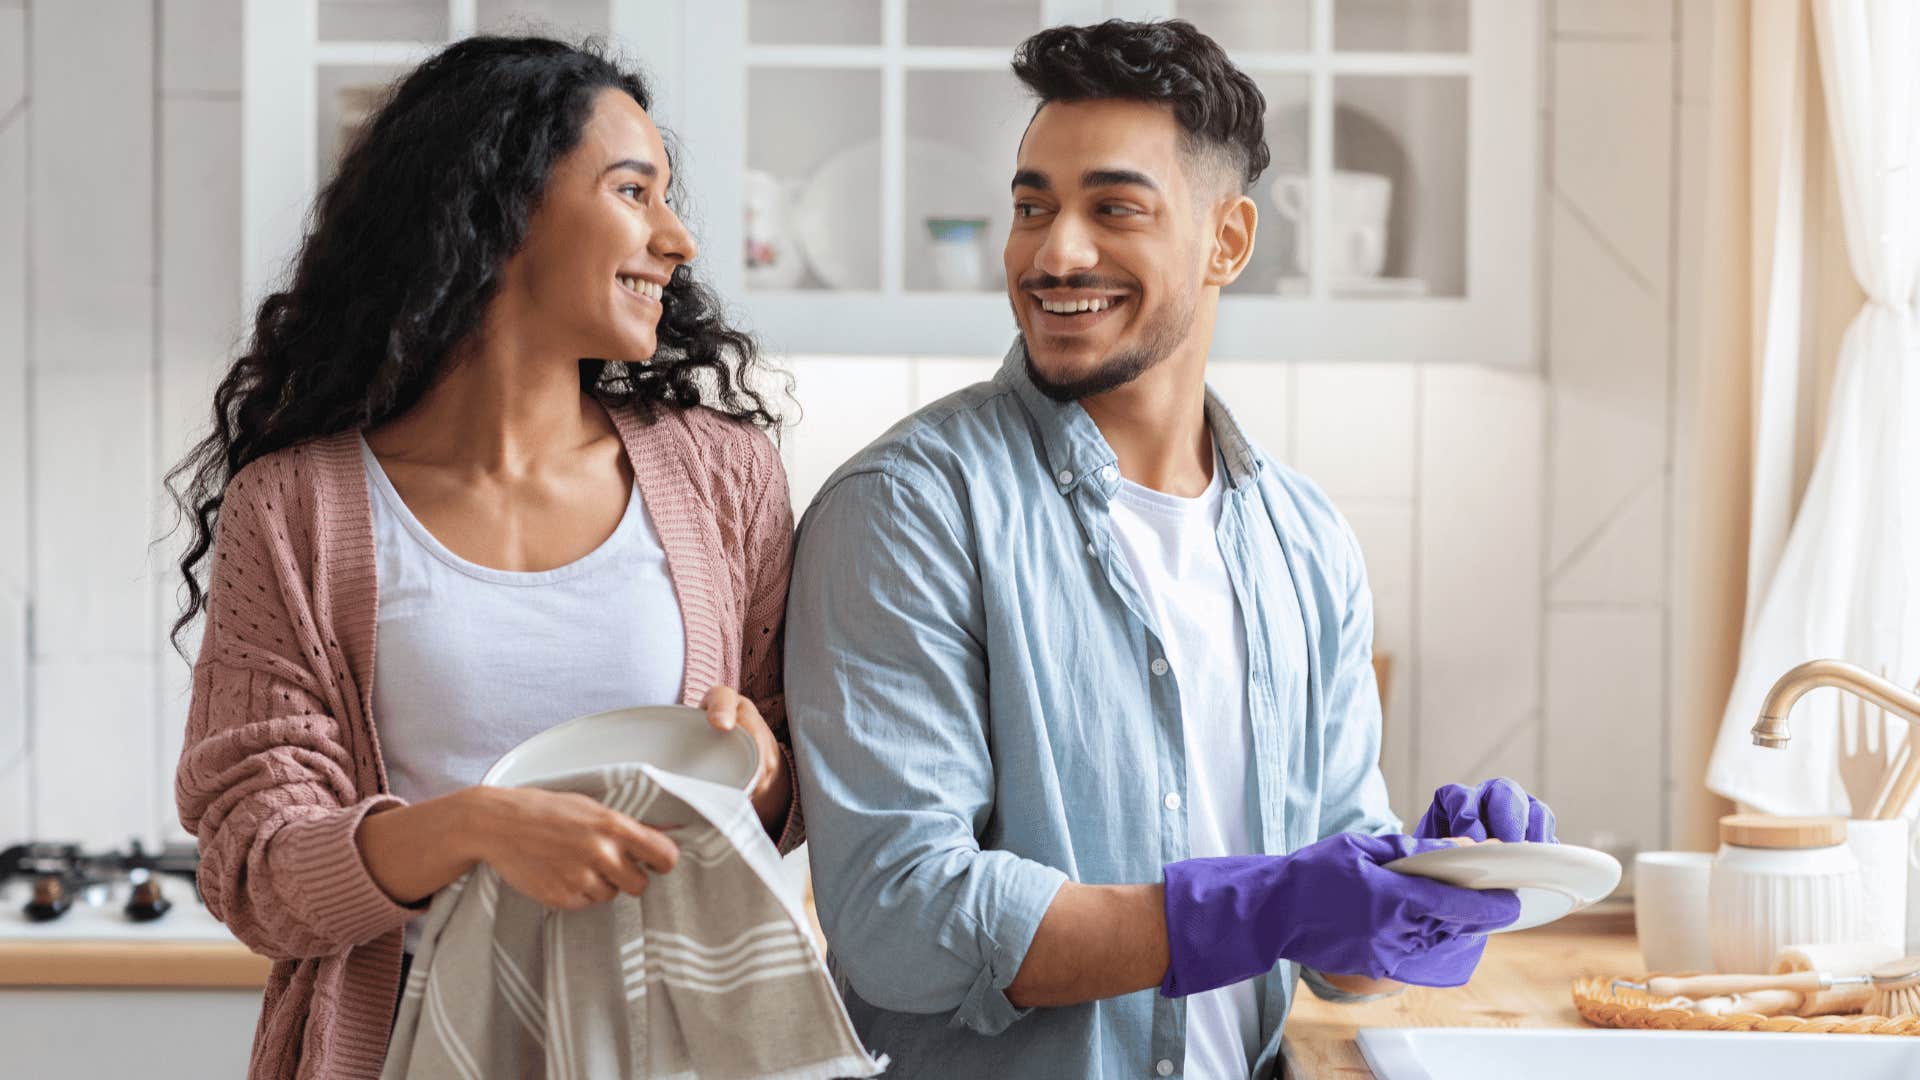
[[1896, 989]]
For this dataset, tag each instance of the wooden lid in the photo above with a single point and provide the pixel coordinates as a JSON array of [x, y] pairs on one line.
[[1770, 831]]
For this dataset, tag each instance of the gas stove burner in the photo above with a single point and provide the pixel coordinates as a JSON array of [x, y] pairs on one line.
[[61, 872], [50, 899], [146, 904]]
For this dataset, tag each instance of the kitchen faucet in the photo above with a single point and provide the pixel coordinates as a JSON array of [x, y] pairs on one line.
[[1771, 729]]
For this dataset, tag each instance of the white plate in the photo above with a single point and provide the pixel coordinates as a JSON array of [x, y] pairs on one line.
[[673, 737], [839, 227], [1551, 880]]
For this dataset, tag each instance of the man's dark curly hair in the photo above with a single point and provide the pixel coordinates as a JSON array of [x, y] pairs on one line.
[[1220, 110], [403, 254]]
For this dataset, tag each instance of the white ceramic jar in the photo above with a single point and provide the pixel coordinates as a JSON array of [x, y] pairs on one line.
[[1780, 881]]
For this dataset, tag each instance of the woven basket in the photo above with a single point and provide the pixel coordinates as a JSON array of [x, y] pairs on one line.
[[1602, 1004]]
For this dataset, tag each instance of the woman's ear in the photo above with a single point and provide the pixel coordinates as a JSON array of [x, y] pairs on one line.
[[1234, 226]]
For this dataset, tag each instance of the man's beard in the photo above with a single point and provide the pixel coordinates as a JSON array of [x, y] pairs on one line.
[[1163, 335]]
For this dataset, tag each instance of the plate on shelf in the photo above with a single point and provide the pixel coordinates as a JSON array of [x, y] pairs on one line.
[[838, 221], [1551, 880], [673, 737]]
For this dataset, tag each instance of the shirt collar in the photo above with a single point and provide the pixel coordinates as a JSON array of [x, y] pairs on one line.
[[1075, 449]]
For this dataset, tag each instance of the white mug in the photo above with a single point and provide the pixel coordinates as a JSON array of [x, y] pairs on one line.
[[1670, 910], [1361, 204]]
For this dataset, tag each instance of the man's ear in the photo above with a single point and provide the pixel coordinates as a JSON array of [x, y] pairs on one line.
[[1234, 225]]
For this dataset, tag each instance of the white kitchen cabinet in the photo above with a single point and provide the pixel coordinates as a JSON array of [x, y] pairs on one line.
[[846, 161]]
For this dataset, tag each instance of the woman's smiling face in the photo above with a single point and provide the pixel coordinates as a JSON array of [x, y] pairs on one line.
[[604, 242]]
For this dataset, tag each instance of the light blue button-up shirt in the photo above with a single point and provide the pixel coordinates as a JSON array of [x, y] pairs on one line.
[[981, 711]]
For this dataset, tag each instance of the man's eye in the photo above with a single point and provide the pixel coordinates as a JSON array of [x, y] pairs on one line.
[[1116, 210], [1025, 210]]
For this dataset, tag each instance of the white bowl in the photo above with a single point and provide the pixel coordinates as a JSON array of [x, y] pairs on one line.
[[673, 737]]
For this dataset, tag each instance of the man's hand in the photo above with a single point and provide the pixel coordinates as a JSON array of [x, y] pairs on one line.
[[1498, 809], [1331, 906]]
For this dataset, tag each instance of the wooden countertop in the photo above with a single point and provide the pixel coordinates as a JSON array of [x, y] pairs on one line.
[[203, 964], [1524, 980]]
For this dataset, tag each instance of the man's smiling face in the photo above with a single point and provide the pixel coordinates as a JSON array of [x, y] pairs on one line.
[[1105, 261]]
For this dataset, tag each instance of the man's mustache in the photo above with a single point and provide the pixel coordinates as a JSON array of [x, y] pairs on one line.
[[1071, 281]]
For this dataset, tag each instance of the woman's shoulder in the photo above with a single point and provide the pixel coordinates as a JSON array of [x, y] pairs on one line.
[[294, 471], [729, 455]]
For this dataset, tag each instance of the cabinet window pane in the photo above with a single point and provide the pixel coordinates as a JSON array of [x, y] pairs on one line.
[[383, 20], [1275, 265], [812, 22], [1400, 25], [1399, 206], [1252, 25], [979, 22], [812, 187], [567, 20], [345, 99], [963, 134]]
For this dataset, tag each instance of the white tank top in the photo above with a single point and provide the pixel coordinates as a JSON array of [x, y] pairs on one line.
[[471, 660]]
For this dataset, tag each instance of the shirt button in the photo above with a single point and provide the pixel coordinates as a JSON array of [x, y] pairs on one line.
[[1107, 473], [1065, 477], [1173, 800], [1164, 1068], [1090, 550], [1159, 667]]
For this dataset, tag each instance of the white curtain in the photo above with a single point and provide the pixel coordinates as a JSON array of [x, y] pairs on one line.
[[1846, 581]]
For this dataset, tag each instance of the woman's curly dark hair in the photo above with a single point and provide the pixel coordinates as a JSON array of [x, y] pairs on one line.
[[403, 254], [1221, 111]]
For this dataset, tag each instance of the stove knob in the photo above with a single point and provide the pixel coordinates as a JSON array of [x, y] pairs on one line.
[[50, 899], [146, 904]]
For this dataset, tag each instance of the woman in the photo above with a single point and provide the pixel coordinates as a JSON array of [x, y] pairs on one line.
[[413, 451]]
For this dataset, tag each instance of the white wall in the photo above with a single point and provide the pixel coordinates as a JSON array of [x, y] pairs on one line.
[[1515, 524]]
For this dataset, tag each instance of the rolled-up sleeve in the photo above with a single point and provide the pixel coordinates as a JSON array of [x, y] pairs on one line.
[[887, 701]]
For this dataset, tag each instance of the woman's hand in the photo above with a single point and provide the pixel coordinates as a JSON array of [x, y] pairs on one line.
[[772, 789], [564, 849]]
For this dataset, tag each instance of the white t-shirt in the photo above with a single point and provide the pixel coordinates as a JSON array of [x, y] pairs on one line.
[[472, 661], [1171, 545]]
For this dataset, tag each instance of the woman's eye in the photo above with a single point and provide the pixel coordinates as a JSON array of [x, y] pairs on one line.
[[631, 191]]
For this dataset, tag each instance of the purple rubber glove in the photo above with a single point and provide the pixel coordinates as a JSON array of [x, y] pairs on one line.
[[1330, 906], [1499, 809]]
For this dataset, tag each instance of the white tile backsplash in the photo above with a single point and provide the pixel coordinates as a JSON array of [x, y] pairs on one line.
[[1625, 562], [14, 673], [13, 352], [16, 807], [1612, 144], [1605, 726], [1477, 601], [1617, 18], [936, 377], [1606, 329], [1603, 454], [1353, 428], [13, 60], [93, 488], [1260, 394], [200, 47], [92, 169], [845, 403], [93, 750]]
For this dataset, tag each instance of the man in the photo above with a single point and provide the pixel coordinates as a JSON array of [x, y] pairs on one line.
[[1079, 678]]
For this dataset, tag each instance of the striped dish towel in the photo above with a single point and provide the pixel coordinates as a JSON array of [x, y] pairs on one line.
[[710, 973]]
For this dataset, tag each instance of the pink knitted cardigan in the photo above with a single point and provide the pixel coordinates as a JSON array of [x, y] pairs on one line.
[[282, 761]]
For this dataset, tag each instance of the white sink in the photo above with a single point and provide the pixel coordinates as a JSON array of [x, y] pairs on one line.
[[1572, 1054]]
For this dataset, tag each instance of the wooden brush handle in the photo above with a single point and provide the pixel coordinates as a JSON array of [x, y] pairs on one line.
[[1764, 1002], [1699, 986]]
